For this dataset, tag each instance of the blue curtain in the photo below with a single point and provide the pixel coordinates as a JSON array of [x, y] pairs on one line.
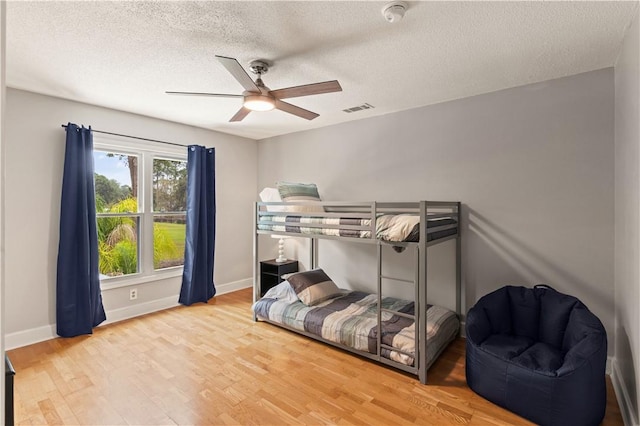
[[78, 299], [197, 278]]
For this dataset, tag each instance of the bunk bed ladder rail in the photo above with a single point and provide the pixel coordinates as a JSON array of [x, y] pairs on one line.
[[416, 283], [459, 262], [379, 292], [380, 345], [421, 297], [256, 262]]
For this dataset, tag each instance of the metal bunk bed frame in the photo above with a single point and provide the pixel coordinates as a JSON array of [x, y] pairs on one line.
[[372, 210]]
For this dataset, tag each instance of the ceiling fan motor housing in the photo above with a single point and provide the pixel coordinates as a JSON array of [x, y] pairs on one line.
[[259, 66]]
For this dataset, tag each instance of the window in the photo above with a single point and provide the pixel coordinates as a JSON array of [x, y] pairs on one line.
[[141, 210], [116, 186], [169, 212]]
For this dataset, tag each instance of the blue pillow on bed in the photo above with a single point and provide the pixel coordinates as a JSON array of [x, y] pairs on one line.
[[313, 287]]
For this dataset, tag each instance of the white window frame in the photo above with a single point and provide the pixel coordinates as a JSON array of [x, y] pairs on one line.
[[146, 151]]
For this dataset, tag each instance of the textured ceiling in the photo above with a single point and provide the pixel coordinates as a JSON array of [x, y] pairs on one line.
[[124, 55]]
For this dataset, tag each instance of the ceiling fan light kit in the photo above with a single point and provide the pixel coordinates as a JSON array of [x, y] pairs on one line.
[[259, 102], [258, 97]]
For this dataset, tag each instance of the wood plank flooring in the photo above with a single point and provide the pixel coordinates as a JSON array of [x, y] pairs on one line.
[[211, 364]]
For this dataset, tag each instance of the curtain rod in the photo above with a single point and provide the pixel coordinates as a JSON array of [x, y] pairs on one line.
[[134, 137]]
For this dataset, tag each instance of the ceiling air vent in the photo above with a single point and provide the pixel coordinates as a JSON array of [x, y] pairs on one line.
[[358, 108]]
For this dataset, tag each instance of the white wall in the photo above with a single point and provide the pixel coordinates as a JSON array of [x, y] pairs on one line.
[[626, 367], [34, 163], [532, 165]]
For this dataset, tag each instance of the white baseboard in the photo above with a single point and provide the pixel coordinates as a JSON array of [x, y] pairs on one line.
[[624, 400], [234, 286], [47, 332], [121, 314], [29, 337]]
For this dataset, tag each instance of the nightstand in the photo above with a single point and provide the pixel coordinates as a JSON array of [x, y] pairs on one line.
[[271, 273]]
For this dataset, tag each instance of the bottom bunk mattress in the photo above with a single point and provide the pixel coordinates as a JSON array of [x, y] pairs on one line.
[[351, 320]]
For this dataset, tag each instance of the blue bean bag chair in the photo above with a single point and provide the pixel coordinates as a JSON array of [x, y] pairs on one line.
[[538, 353]]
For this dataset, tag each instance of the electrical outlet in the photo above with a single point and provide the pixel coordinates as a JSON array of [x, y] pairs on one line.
[[133, 294]]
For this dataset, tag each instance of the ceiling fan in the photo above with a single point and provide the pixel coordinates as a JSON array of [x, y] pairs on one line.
[[258, 97]]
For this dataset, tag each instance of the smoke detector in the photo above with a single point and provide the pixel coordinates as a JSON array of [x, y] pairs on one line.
[[394, 12]]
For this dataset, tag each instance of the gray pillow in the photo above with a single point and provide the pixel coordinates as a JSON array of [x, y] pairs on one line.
[[292, 191], [313, 287]]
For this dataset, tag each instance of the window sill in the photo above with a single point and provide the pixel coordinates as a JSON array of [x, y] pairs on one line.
[[136, 279]]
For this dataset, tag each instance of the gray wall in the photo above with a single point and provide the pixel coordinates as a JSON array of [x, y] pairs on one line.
[[532, 165], [626, 368], [34, 146]]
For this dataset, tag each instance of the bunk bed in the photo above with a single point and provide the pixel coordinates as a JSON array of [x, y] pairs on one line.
[[351, 320]]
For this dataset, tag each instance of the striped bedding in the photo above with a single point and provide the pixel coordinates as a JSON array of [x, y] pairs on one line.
[[351, 320], [301, 220], [396, 228]]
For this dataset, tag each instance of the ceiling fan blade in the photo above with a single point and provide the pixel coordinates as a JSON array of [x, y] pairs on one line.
[[236, 70], [307, 89], [242, 113], [219, 95], [292, 109]]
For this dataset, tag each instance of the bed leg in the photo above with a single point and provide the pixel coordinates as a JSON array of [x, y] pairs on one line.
[[423, 377]]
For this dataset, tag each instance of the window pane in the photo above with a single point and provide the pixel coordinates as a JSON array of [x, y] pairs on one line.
[[116, 182], [118, 245], [169, 185], [168, 240]]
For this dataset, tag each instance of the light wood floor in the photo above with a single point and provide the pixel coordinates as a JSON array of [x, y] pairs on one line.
[[211, 364]]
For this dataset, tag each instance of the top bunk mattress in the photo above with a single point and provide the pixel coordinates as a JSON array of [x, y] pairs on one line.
[[392, 228]]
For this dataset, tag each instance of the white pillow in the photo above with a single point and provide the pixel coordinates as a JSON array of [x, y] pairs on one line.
[[272, 195], [283, 292]]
